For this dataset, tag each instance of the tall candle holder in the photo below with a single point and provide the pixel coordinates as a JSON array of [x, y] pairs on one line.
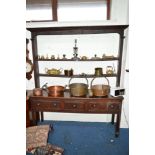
[[75, 51]]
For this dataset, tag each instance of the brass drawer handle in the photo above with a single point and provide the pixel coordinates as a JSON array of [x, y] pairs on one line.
[[93, 105], [38, 104], [112, 106], [74, 105], [54, 104]]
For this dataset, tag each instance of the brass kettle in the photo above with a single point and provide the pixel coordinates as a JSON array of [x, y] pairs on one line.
[[53, 71], [110, 70]]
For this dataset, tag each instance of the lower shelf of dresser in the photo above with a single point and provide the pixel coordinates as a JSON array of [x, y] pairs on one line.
[[112, 105]]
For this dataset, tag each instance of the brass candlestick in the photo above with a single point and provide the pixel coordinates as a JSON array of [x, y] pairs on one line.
[[75, 50]]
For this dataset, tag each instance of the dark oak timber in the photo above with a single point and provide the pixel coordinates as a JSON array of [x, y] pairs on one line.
[[120, 53], [27, 114], [108, 105], [80, 76], [108, 9], [69, 30], [78, 30], [105, 59], [112, 118], [36, 67], [92, 105], [54, 9]]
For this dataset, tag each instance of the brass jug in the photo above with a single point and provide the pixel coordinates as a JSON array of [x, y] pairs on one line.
[[98, 71]]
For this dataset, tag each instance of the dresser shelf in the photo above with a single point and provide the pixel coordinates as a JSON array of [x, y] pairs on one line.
[[79, 76], [77, 30], [104, 59]]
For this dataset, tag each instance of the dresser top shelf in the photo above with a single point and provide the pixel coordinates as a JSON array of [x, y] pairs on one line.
[[77, 30], [68, 30]]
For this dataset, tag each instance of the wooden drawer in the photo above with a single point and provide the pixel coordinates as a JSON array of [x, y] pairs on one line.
[[74, 106], [47, 105], [114, 107], [93, 106]]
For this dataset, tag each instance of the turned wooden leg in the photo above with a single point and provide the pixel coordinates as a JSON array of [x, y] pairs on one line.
[[42, 116], [112, 118], [34, 118], [117, 128], [37, 116]]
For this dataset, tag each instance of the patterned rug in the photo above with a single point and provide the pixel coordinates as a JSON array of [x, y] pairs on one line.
[[87, 138]]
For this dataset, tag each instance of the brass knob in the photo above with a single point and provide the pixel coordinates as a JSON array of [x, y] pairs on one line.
[[93, 105], [112, 106], [54, 104], [74, 105]]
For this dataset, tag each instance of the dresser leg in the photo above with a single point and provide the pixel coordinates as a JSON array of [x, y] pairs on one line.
[[117, 128], [116, 134], [37, 116], [112, 118], [42, 116], [34, 118]]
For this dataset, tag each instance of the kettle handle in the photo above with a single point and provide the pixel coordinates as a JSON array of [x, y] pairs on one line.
[[110, 67], [72, 78], [95, 78]]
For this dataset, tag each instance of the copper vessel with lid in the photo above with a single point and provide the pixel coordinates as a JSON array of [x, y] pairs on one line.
[[37, 92]]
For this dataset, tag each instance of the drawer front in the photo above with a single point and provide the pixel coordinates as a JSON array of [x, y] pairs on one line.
[[96, 107], [46, 105], [74, 106], [114, 107]]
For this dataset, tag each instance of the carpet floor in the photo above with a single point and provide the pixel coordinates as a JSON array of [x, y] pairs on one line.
[[88, 138]]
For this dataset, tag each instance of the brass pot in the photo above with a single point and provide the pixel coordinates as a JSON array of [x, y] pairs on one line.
[[100, 90], [78, 89]]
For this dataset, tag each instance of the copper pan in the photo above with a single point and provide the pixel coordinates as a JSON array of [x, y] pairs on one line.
[[56, 91]]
